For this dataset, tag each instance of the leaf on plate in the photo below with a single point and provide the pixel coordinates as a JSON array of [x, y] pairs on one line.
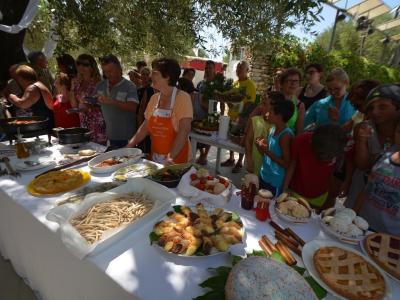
[[177, 208], [222, 271], [153, 237], [277, 257], [300, 270], [319, 291], [215, 283], [212, 295], [256, 253], [235, 216], [235, 259]]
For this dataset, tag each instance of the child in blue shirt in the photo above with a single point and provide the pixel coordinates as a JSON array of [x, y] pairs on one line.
[[276, 146]]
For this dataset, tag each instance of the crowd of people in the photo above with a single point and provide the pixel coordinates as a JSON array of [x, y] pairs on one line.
[[323, 140]]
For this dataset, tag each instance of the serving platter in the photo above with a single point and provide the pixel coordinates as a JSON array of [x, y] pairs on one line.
[[362, 246], [132, 155], [200, 252], [308, 253], [142, 169], [33, 191]]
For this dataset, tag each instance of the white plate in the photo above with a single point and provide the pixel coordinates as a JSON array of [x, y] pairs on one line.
[[78, 245], [290, 218], [141, 169], [308, 253], [43, 163], [214, 252], [383, 270], [341, 237], [119, 152]]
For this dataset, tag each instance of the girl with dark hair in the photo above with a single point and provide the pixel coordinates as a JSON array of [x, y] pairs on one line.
[[66, 65], [82, 86], [313, 90], [168, 116]]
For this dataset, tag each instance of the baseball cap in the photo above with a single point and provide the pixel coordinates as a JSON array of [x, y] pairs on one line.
[[387, 91]]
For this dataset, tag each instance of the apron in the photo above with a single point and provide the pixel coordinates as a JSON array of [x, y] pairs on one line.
[[163, 134]]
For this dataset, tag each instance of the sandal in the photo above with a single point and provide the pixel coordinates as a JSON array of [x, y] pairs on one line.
[[237, 168], [228, 163]]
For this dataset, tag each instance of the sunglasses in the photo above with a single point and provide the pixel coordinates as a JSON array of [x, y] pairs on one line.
[[83, 63]]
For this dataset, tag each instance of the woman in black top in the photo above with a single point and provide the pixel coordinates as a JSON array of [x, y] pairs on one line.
[[36, 95], [313, 90]]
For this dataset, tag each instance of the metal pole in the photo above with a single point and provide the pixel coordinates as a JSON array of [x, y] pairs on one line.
[[363, 38], [333, 31]]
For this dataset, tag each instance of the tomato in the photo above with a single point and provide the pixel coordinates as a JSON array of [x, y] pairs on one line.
[[222, 180], [203, 180], [193, 176], [201, 186], [210, 177]]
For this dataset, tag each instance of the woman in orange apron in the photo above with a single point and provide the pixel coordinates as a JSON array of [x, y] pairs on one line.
[[168, 116]]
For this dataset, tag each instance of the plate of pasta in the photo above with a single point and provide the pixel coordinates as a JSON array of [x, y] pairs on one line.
[[197, 231], [102, 218]]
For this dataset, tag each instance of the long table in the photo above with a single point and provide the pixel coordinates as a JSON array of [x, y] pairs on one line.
[[129, 269], [196, 138]]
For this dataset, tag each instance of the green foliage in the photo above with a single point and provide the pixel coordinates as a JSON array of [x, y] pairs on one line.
[[292, 53], [257, 23], [131, 29], [220, 83], [349, 40]]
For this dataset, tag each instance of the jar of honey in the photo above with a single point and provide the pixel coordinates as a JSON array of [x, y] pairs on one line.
[[21, 149], [262, 209]]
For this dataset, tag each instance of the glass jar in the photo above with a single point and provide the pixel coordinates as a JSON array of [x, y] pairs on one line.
[[262, 208], [247, 196], [21, 149]]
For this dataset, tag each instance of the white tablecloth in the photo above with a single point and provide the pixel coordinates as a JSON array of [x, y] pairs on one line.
[[130, 269]]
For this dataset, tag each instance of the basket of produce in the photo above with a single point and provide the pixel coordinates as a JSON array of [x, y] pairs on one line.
[[234, 95], [205, 126], [171, 175]]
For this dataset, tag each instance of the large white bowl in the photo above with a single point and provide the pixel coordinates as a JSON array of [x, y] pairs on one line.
[[120, 152]]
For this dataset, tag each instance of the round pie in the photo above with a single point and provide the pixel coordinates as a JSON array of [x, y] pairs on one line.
[[58, 182], [384, 249], [349, 274]]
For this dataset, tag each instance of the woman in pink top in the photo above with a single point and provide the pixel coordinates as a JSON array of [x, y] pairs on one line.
[[84, 85]]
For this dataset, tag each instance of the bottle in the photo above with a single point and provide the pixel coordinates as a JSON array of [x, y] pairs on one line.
[[249, 190], [20, 147]]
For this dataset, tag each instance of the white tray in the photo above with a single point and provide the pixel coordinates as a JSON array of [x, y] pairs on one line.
[[119, 152], [77, 244], [308, 253]]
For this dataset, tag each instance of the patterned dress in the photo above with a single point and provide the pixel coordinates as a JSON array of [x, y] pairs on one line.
[[93, 117]]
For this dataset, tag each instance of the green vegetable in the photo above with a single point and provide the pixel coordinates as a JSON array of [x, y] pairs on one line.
[[177, 208], [235, 216], [235, 259], [154, 237]]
